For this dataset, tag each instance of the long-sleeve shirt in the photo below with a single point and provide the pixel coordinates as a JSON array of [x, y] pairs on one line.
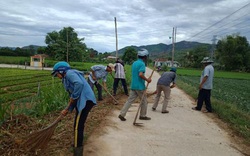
[[78, 88], [100, 73]]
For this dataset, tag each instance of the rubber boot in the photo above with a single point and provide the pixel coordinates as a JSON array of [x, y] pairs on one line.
[[78, 151]]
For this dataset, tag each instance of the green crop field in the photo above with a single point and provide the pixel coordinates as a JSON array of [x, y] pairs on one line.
[[37, 89], [14, 60]]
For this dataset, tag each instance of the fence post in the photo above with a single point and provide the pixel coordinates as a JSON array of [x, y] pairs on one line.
[[38, 89]]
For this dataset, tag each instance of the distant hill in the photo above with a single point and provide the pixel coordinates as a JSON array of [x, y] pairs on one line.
[[161, 49], [35, 47]]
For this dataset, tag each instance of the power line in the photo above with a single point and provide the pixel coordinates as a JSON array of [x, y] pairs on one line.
[[219, 21]]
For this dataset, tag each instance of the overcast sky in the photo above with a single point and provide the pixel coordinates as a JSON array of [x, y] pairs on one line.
[[139, 22]]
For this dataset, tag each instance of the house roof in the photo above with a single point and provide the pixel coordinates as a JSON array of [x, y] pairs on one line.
[[39, 56], [161, 60]]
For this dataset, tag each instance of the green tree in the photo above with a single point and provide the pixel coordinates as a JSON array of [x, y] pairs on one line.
[[41, 50], [233, 52], [195, 56], [5, 51], [65, 45], [130, 55]]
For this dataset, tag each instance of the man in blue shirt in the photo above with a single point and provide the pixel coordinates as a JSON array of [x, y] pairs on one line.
[[206, 85], [137, 86], [99, 72]]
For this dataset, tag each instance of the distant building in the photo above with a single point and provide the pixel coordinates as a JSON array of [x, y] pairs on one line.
[[111, 58], [37, 60], [164, 62]]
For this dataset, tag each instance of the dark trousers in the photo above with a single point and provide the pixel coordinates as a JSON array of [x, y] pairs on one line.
[[79, 123], [204, 95], [98, 87], [124, 84]]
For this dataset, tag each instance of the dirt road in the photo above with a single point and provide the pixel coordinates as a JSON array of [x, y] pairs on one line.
[[182, 132]]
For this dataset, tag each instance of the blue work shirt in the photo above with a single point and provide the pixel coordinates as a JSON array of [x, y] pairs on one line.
[[78, 87], [137, 83], [100, 72]]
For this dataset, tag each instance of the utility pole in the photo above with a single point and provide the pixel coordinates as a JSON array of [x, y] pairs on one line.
[[67, 46], [173, 43], [116, 39], [213, 46]]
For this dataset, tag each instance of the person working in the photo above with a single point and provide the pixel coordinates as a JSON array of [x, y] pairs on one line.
[[82, 99], [138, 87], [163, 84], [119, 75], [99, 72]]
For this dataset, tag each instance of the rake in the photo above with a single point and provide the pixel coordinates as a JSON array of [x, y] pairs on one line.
[[40, 139]]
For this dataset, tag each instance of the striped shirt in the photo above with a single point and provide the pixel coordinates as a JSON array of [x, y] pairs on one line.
[[119, 71]]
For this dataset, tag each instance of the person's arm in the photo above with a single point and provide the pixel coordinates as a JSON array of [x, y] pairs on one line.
[[173, 85], [74, 79], [144, 78], [66, 110], [93, 75], [203, 81], [174, 82]]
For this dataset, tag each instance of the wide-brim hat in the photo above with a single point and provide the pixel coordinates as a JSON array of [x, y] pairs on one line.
[[207, 60], [112, 66]]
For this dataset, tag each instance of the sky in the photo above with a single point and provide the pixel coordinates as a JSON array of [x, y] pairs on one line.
[[139, 22]]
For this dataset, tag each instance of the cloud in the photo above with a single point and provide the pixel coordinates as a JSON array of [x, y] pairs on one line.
[[139, 22]]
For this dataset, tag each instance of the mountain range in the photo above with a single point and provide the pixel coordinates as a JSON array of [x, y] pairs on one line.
[[164, 50]]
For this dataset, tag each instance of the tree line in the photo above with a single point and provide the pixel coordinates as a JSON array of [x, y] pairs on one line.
[[6, 51], [232, 53]]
